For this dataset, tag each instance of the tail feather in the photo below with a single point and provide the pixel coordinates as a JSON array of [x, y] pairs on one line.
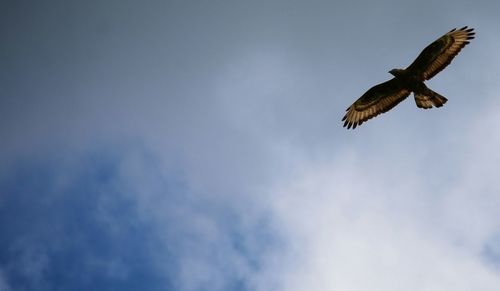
[[428, 99]]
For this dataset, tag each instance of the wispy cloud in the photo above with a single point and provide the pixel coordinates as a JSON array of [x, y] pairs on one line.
[[370, 221], [114, 219]]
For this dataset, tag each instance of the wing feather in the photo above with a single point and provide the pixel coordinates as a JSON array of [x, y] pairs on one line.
[[379, 99], [439, 54]]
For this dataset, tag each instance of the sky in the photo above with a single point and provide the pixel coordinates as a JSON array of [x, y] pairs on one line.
[[198, 145]]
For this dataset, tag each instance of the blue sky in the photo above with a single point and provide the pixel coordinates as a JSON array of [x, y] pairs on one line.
[[182, 145]]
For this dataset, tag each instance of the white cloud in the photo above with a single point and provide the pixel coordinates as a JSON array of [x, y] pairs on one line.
[[353, 231], [376, 222]]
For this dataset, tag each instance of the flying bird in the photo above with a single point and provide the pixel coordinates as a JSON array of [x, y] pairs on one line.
[[434, 58]]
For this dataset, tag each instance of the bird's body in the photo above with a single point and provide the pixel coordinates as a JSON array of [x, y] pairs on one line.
[[424, 97], [432, 60]]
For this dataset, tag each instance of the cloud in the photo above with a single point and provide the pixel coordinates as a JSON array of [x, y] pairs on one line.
[[393, 218], [354, 230], [112, 218]]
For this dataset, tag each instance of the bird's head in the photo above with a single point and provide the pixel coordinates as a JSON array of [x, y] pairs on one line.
[[396, 72]]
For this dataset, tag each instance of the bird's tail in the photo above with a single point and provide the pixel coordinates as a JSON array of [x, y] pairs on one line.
[[429, 98]]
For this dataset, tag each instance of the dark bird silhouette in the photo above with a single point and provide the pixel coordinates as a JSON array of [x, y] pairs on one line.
[[434, 58]]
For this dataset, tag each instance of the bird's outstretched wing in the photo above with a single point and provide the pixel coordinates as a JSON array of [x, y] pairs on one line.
[[436, 56], [377, 100]]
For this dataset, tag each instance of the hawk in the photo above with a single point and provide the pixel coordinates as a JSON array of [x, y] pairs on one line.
[[434, 58]]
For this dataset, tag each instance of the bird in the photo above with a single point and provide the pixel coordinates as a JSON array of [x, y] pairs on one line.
[[432, 60]]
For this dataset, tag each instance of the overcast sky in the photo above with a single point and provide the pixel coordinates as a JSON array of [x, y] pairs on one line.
[[197, 145]]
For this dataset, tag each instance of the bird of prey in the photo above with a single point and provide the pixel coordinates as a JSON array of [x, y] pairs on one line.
[[434, 58]]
